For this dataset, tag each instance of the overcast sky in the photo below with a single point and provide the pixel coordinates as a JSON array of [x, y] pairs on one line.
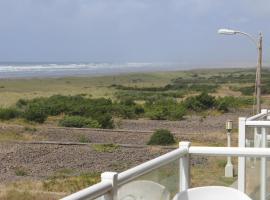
[[183, 31]]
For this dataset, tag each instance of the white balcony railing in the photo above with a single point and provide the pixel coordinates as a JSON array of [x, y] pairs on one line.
[[111, 183]]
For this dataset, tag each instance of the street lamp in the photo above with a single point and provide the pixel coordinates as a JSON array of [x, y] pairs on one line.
[[229, 166], [258, 43]]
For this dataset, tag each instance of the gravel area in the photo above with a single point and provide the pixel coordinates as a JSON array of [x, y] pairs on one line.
[[43, 160], [192, 124], [40, 161]]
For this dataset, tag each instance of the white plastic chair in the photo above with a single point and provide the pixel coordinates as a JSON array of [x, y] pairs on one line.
[[143, 190], [211, 193]]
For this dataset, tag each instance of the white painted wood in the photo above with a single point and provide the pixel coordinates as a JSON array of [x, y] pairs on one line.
[[110, 177], [184, 168], [241, 160], [258, 123], [263, 185], [254, 117], [232, 151]]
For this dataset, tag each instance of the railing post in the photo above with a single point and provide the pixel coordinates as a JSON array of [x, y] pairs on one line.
[[241, 160], [263, 166], [112, 178], [184, 168]]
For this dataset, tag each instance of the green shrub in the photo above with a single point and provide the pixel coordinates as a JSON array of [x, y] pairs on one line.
[[79, 122], [177, 113], [96, 109], [35, 112], [228, 102], [165, 109], [8, 113], [105, 120], [21, 103], [223, 105], [200, 102], [157, 113], [161, 137]]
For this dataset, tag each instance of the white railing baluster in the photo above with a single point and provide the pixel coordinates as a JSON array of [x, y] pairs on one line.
[[112, 178], [241, 160], [263, 166], [184, 168]]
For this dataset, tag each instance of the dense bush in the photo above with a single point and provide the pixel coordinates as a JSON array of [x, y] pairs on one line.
[[8, 113], [35, 112], [105, 120], [226, 103], [161, 137], [79, 122], [96, 109], [200, 102], [165, 109], [128, 109]]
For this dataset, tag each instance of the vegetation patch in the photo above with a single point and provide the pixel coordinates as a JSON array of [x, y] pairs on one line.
[[79, 122], [65, 183], [20, 171], [162, 137], [163, 109], [35, 112], [108, 148], [84, 139], [9, 113]]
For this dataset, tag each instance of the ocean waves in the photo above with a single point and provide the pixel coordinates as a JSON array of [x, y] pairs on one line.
[[8, 70]]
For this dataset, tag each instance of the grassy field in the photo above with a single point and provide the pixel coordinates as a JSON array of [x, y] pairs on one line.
[[13, 89]]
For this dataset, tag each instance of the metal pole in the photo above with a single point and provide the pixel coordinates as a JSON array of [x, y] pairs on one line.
[[258, 74]]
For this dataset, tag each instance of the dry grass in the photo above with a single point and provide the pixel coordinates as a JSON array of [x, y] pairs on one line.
[[210, 173], [13, 136], [61, 184]]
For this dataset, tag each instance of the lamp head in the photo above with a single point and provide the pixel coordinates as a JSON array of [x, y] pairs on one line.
[[227, 31], [229, 125]]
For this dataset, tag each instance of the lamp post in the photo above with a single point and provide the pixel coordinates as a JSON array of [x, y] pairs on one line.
[[229, 166], [258, 43]]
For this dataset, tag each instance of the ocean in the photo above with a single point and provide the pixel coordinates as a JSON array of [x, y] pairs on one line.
[[24, 70]]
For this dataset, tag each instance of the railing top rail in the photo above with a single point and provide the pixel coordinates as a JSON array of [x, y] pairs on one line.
[[258, 123], [91, 192], [230, 151], [262, 114]]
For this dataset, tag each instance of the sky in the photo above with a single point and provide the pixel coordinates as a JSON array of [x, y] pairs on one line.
[[182, 31]]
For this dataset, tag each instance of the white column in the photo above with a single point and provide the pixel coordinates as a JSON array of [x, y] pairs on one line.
[[112, 178], [241, 160], [229, 166], [184, 168], [263, 166]]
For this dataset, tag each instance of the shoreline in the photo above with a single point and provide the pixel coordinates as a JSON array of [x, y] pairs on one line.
[[107, 72]]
